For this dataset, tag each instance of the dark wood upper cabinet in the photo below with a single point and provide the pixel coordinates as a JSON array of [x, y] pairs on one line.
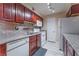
[[9, 11], [19, 13], [34, 18], [16, 12], [28, 15], [1, 10], [73, 11]]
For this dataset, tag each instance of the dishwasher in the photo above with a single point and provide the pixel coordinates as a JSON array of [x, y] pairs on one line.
[[18, 47]]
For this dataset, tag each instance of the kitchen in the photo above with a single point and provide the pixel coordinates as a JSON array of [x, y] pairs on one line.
[[39, 29]]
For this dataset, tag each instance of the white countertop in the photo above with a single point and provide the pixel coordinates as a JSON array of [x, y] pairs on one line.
[[5, 39], [73, 40]]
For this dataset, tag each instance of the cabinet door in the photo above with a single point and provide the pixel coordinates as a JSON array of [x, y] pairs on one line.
[[75, 9], [32, 45], [3, 50], [70, 51], [19, 13], [9, 11], [65, 46], [1, 10], [28, 15], [34, 18], [38, 41]]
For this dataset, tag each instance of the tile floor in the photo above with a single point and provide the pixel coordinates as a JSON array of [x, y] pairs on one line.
[[50, 49]]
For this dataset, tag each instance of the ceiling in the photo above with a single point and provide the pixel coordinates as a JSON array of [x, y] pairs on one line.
[[42, 8]]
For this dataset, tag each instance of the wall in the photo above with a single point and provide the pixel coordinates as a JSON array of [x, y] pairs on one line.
[[70, 25], [50, 24], [7, 25], [12, 26], [7, 29], [55, 15], [46, 21]]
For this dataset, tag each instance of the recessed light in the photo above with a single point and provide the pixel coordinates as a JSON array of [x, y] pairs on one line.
[[49, 7]]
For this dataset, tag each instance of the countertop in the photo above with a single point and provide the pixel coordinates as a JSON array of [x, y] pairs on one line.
[[73, 40], [6, 39]]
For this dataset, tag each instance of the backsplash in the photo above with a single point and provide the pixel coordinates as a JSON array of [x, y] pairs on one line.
[[9, 28], [4, 25]]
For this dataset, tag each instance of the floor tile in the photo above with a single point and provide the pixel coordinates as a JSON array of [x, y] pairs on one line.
[[49, 49], [52, 49]]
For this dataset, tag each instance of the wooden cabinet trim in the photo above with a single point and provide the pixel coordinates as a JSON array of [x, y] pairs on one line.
[[3, 50]]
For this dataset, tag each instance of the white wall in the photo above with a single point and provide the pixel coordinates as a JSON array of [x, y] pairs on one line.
[[44, 24], [70, 25], [50, 24], [4, 25]]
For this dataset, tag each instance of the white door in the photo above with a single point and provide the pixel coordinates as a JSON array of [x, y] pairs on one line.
[[51, 29]]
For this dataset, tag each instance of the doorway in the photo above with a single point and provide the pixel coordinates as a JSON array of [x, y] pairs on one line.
[[52, 24]]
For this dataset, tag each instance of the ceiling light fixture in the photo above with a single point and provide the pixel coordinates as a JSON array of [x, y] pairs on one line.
[[49, 7], [48, 4]]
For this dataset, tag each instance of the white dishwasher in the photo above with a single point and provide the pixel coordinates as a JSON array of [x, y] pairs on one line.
[[18, 47]]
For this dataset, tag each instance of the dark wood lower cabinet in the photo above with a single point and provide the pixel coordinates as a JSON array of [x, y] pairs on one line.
[[38, 41], [67, 48], [64, 46], [70, 50], [34, 44], [3, 50]]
